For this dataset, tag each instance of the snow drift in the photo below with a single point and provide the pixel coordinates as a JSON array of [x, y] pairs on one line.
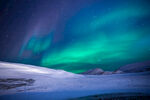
[[50, 84]]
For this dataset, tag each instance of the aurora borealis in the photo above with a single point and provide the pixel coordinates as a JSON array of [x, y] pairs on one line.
[[77, 35]]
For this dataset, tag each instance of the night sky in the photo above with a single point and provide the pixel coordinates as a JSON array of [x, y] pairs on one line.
[[75, 35]]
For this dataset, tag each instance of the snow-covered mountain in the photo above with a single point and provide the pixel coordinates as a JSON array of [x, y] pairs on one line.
[[130, 68], [32, 82], [95, 71], [136, 67]]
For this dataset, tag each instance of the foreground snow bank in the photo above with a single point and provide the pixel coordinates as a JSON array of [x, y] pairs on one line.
[[50, 84]]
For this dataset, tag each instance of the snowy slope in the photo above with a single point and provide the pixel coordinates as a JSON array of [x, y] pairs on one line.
[[58, 84]]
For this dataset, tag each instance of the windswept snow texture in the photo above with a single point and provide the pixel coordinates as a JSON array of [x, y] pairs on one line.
[[53, 84]]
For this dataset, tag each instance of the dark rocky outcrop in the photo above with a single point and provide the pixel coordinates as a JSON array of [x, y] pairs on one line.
[[10, 83]]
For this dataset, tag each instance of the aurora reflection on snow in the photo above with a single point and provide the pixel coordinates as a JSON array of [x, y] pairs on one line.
[[104, 33]]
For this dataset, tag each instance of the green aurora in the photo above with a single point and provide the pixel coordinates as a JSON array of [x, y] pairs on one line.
[[107, 37]]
